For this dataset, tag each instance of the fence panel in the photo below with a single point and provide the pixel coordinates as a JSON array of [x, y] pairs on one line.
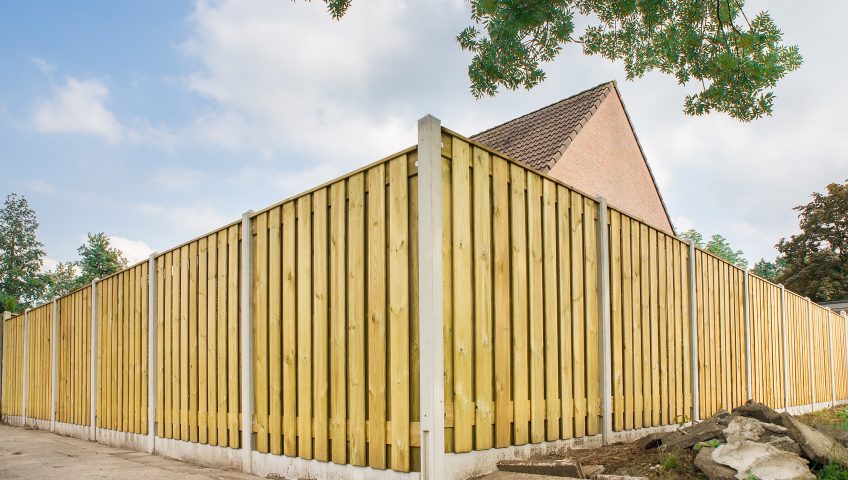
[[74, 358], [13, 366], [840, 367], [198, 359], [521, 306], [650, 338], [766, 342], [39, 351], [798, 340], [122, 338], [821, 353], [336, 369]]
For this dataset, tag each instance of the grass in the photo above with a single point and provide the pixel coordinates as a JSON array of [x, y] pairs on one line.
[[671, 462], [830, 417], [832, 472]]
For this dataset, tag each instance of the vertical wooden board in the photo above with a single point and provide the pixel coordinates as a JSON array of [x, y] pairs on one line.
[[617, 334], [321, 332], [636, 320], [223, 344], [627, 317], [676, 361], [563, 271], [578, 314], [482, 293], [338, 327], [184, 344], [289, 320], [304, 326], [686, 334], [202, 342], [463, 347], [398, 312], [645, 314], [519, 297], [447, 287], [654, 263], [662, 309], [145, 338], [168, 294], [275, 362], [593, 355], [356, 318], [536, 308], [212, 362], [260, 328], [193, 302], [161, 296], [376, 311], [501, 310], [551, 332], [233, 364]]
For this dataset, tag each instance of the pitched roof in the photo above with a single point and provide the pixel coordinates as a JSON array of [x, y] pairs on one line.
[[538, 138]]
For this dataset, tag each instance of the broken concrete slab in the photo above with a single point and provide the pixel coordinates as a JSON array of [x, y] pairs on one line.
[[760, 412], [499, 475], [702, 432], [565, 467], [839, 435], [590, 471], [743, 428], [786, 444], [656, 439], [817, 446], [712, 469], [763, 461], [618, 477]]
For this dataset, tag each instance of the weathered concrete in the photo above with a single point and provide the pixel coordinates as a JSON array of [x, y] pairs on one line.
[[763, 461], [712, 469], [520, 476], [564, 467], [33, 454]]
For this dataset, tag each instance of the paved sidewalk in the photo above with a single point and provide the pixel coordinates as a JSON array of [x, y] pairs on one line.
[[34, 454]]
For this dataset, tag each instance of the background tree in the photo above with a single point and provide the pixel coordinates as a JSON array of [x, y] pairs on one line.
[[21, 254], [770, 271], [816, 260], [735, 60], [98, 259], [717, 245], [60, 281]]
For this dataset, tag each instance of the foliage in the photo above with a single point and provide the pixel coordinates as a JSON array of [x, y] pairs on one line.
[[21, 254], [714, 443], [769, 270], [843, 416], [718, 246], [736, 61], [98, 259], [832, 471], [671, 462], [60, 281], [816, 260]]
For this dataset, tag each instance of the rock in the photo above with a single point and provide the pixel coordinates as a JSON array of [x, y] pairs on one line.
[[773, 428], [712, 469], [743, 428], [839, 435], [654, 440], [706, 430], [517, 476], [590, 471], [760, 412], [785, 443], [817, 446], [565, 467], [763, 461]]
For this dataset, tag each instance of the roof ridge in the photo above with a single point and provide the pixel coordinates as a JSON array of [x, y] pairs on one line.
[[582, 123], [607, 84]]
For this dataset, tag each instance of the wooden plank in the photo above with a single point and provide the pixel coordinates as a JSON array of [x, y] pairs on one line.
[[617, 336], [551, 332], [563, 271], [171, 339], [183, 344], [320, 309], [203, 341], [643, 305], [630, 327], [304, 326], [593, 355], [685, 326], [578, 314], [289, 321], [144, 334], [275, 362], [520, 326], [356, 319], [260, 328], [655, 325], [463, 327], [447, 283], [536, 308], [192, 343], [501, 311], [212, 332], [482, 294], [223, 344], [162, 295], [376, 311], [233, 364], [338, 327], [398, 242]]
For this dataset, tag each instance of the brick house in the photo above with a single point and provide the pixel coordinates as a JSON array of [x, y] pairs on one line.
[[587, 141]]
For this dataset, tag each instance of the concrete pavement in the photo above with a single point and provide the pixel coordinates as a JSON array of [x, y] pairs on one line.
[[34, 454]]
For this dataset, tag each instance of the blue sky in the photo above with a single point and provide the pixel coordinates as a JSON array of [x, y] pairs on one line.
[[157, 121]]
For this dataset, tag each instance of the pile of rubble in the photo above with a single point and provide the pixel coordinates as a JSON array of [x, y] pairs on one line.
[[752, 441]]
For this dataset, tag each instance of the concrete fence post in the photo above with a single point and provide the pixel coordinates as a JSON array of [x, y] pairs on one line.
[[6, 317], [845, 323], [784, 343], [24, 381], [830, 346], [54, 376], [430, 305], [94, 380], [693, 334], [749, 380], [812, 364], [152, 293], [246, 293], [604, 321]]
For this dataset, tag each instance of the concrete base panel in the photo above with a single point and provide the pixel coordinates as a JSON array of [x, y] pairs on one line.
[[72, 430], [802, 409], [14, 420], [114, 438], [39, 423], [209, 455], [267, 465]]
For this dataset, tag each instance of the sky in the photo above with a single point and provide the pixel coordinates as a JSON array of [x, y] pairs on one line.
[[158, 121]]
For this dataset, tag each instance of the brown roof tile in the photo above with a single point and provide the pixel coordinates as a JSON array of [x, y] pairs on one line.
[[538, 138]]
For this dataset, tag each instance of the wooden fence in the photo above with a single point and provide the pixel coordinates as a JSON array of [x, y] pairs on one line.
[[122, 303], [39, 354], [562, 318]]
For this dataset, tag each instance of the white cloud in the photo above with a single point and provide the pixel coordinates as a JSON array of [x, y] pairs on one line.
[[178, 178], [43, 65], [48, 264], [194, 219], [134, 250], [78, 106], [40, 186]]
